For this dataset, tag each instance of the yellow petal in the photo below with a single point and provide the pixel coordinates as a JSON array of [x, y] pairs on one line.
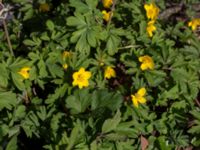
[[107, 3], [142, 100], [146, 7], [141, 59], [81, 70], [74, 83], [109, 72], [144, 66], [151, 65], [106, 15], [87, 75], [141, 92], [134, 100], [75, 75]]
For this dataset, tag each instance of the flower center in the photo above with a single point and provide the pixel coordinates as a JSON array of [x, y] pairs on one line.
[[80, 78]]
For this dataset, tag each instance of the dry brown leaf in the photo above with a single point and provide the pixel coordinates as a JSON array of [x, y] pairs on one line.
[[144, 142]]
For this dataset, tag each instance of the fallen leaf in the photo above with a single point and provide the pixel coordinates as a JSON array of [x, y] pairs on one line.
[[144, 142]]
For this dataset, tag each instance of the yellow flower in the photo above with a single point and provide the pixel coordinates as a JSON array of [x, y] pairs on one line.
[[147, 62], [150, 28], [44, 7], [139, 97], [65, 66], [194, 23], [152, 11], [66, 54], [107, 3], [24, 72], [80, 78], [106, 15], [109, 72]]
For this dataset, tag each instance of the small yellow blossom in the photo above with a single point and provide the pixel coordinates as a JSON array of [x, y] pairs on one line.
[[44, 7], [194, 23], [66, 54], [109, 73], [147, 62], [152, 11], [139, 97], [65, 66], [150, 28], [80, 78], [106, 15], [107, 3], [24, 72]]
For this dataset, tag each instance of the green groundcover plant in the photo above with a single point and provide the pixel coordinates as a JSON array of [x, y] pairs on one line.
[[99, 75]]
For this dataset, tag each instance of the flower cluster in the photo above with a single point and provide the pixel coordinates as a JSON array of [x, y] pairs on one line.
[[152, 12], [81, 77], [107, 5]]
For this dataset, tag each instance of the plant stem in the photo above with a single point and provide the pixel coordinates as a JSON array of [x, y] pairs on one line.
[[8, 38], [129, 46], [112, 10]]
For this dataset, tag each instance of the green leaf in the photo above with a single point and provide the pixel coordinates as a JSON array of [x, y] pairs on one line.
[[112, 44], [59, 92], [20, 112], [3, 76], [42, 68], [79, 101], [29, 42], [12, 145], [55, 121], [42, 113], [45, 37], [76, 35], [103, 98], [55, 70], [77, 21], [194, 129], [92, 3], [196, 114], [7, 100], [74, 136], [91, 37], [28, 14], [50, 25], [162, 143], [18, 81], [80, 6], [111, 124], [126, 129]]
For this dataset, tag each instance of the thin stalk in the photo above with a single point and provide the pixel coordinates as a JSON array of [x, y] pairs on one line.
[[8, 38], [112, 10]]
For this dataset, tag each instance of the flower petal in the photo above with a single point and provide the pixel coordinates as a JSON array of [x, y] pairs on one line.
[[141, 92], [134, 100], [142, 100], [144, 66]]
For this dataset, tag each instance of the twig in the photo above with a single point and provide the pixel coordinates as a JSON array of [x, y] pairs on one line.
[[7, 37], [197, 102], [170, 11], [128, 46], [112, 10]]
